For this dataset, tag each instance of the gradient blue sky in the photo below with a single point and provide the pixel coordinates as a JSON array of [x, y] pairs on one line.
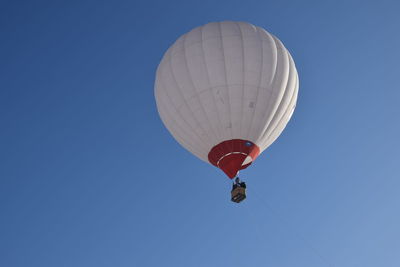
[[89, 176]]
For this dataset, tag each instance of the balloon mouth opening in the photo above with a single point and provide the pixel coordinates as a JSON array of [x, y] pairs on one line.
[[234, 155]]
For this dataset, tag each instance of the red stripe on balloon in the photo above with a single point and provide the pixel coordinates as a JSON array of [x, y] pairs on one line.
[[229, 155]]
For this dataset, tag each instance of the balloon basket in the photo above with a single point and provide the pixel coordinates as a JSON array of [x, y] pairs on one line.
[[238, 194]]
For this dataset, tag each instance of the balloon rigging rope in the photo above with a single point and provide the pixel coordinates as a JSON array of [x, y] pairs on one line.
[[299, 236]]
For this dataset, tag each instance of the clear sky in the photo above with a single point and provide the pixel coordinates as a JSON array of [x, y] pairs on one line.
[[89, 176]]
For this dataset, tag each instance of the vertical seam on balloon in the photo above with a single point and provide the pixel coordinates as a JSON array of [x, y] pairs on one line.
[[208, 78], [216, 132], [278, 104], [275, 114], [259, 85], [184, 140], [195, 88], [243, 82], [285, 113], [179, 138], [176, 110], [290, 105], [268, 115], [226, 81], [184, 100]]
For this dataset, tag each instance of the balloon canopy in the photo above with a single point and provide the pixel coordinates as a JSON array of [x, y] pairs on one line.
[[226, 91]]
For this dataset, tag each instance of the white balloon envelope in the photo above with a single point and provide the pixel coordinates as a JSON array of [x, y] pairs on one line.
[[225, 91]]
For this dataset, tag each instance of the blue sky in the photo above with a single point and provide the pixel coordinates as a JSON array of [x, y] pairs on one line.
[[89, 176]]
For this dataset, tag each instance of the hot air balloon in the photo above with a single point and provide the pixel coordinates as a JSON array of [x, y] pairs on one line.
[[225, 91]]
